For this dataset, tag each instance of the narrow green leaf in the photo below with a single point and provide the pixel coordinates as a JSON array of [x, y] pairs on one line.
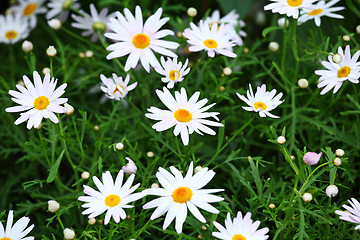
[[268, 30], [221, 136], [54, 169]]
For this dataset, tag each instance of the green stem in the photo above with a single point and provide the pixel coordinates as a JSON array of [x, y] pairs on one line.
[[59, 220], [142, 229], [51, 67], [308, 178], [79, 141], [94, 46]]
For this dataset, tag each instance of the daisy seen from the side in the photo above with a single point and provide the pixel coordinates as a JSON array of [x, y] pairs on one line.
[[289, 7], [337, 73], [173, 71], [241, 228], [187, 115], [39, 101], [213, 39], [180, 194], [319, 10], [111, 198], [115, 87], [61, 9], [18, 231], [262, 102], [138, 39], [352, 214], [28, 9], [13, 28], [92, 24]]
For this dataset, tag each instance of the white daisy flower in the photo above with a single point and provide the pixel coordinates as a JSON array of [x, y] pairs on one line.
[[172, 70], [92, 23], [13, 28], [262, 102], [60, 9], [242, 228], [213, 39], [18, 231], [182, 193], [289, 7], [320, 9], [28, 10], [186, 115], [39, 101], [116, 88], [232, 18], [139, 40], [338, 73], [112, 198], [352, 214]]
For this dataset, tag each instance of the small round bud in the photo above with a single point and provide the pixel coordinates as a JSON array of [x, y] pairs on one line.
[[128, 217], [9, 11], [53, 206], [46, 70], [221, 88], [337, 58], [272, 206], [21, 83], [130, 167], [51, 51], [260, 18], [82, 55], [227, 71], [96, 128], [27, 46], [192, 12], [311, 158], [199, 236], [92, 221], [203, 227], [55, 23], [66, 5], [69, 109], [358, 29], [39, 127], [246, 50], [150, 154], [99, 27], [281, 22], [339, 152], [155, 185], [273, 46], [100, 221], [119, 146], [307, 197], [85, 175], [69, 234], [303, 83], [89, 54], [346, 38], [179, 34], [281, 140], [337, 162], [332, 190], [292, 157], [197, 169]]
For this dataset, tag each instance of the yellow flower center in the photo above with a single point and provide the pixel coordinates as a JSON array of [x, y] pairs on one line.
[[29, 9], [210, 43], [238, 237], [182, 195], [11, 34], [260, 105], [5, 238], [141, 41], [343, 72], [172, 74], [118, 90], [112, 200], [183, 115], [316, 12], [41, 103], [294, 3]]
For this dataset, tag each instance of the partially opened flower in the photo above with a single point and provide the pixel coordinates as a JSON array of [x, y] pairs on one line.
[[289, 7], [241, 228], [18, 231], [92, 24], [232, 18], [173, 71], [39, 101], [139, 40], [181, 194], [13, 28], [319, 10], [115, 87], [111, 198], [262, 102], [352, 214], [186, 115], [213, 39], [28, 10], [337, 73], [61, 9]]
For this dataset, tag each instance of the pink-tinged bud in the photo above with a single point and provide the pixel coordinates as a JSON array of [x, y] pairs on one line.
[[311, 158], [130, 167]]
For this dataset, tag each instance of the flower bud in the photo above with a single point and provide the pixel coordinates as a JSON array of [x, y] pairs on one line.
[[179, 34], [85, 175], [89, 54], [69, 234], [332, 190], [203, 227], [246, 50], [221, 88], [67, 4], [281, 22], [311, 158], [99, 27], [53, 206], [46, 70], [119, 146], [69, 109], [155, 185], [96, 128], [82, 55], [292, 157], [358, 29], [281, 140], [227, 71], [27, 46], [198, 169], [346, 38], [55, 23], [51, 51], [39, 127], [273, 46], [21, 83], [339, 152], [336, 58], [307, 197], [92, 221], [260, 17], [150, 154], [337, 162], [192, 12], [130, 167], [303, 83], [272, 206]]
